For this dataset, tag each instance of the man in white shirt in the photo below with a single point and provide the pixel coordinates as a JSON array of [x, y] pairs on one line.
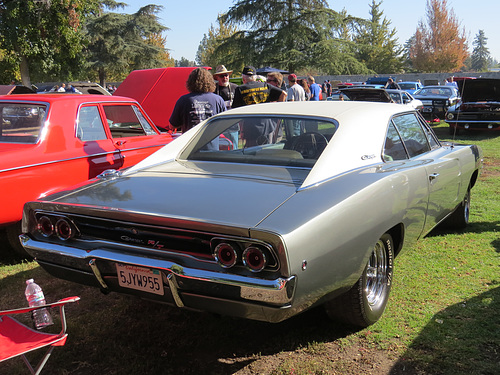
[[295, 92]]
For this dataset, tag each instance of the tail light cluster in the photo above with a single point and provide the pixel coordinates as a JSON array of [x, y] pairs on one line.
[[58, 226], [253, 256]]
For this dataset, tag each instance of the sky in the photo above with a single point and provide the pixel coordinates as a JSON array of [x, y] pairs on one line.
[[189, 21]]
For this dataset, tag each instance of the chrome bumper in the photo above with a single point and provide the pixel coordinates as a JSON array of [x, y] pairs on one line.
[[277, 293]]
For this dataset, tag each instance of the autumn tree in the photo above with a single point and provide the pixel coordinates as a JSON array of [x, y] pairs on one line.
[[480, 58], [378, 47], [160, 41], [441, 46]]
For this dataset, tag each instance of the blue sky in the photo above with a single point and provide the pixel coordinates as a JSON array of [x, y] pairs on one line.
[[189, 21]]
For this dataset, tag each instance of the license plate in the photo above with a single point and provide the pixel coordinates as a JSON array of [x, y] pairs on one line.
[[139, 278]]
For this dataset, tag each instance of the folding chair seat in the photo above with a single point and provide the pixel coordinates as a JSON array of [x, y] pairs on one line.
[[16, 339]]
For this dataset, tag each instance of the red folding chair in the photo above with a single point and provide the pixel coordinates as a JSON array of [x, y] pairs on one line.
[[17, 339]]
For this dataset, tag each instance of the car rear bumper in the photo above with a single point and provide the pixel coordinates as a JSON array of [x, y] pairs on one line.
[[218, 292]]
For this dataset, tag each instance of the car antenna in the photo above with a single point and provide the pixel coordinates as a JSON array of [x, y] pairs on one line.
[[462, 87]]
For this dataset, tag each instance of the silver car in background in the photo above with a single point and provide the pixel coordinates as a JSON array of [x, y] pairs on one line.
[[309, 207]]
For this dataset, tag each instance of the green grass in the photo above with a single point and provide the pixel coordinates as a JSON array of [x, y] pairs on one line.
[[442, 317]]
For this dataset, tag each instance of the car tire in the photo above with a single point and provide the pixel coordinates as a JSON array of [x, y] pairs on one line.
[[365, 302], [13, 231], [459, 219]]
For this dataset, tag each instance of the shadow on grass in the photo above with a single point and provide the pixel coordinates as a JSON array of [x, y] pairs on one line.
[[120, 334], [475, 227], [461, 339]]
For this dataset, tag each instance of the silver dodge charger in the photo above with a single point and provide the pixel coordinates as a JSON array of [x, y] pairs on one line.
[[263, 211]]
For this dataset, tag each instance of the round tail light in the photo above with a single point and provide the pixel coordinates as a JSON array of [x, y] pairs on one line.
[[225, 255], [45, 226], [63, 229], [254, 259]]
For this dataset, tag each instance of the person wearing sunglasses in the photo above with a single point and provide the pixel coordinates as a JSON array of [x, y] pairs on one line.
[[223, 86]]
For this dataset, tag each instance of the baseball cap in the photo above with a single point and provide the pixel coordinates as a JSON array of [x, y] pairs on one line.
[[249, 70], [292, 77]]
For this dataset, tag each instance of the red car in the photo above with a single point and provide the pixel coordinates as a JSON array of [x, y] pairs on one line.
[[49, 142]]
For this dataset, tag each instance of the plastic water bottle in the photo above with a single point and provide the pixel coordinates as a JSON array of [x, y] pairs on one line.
[[35, 297]]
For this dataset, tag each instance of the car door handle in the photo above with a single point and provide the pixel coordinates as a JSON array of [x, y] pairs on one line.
[[120, 143], [433, 176]]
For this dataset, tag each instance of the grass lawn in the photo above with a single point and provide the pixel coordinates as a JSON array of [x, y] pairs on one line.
[[443, 316]]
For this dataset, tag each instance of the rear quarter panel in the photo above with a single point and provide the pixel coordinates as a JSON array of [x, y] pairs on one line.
[[333, 226]]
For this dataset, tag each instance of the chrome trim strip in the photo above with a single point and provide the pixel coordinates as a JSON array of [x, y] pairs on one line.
[[277, 291], [117, 151], [58, 161]]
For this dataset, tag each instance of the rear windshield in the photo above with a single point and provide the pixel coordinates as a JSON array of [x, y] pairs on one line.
[[21, 122], [407, 86], [271, 140]]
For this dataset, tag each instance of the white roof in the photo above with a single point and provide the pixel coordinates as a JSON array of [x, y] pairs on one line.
[[357, 142]]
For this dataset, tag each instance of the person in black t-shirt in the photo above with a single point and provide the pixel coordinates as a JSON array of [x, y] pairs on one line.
[[253, 92], [199, 104], [226, 90]]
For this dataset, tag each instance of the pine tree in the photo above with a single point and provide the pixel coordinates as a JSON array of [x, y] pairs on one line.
[[290, 35], [480, 55], [378, 46], [120, 43]]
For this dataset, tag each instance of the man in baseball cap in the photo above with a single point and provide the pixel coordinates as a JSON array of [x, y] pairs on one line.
[[253, 92], [295, 92]]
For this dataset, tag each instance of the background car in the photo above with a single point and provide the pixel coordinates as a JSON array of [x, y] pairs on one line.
[[436, 101], [309, 208], [52, 141], [479, 107], [410, 87], [403, 97], [366, 94]]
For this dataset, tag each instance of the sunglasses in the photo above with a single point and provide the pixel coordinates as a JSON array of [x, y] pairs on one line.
[[223, 75]]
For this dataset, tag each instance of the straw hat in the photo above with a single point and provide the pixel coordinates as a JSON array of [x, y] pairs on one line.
[[221, 69]]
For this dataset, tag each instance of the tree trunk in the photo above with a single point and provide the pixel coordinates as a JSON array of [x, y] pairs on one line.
[[102, 77], [25, 72]]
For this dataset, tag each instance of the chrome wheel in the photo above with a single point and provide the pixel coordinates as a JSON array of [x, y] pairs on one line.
[[376, 275], [365, 302]]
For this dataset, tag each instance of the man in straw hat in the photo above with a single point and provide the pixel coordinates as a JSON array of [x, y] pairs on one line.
[[223, 87], [226, 90]]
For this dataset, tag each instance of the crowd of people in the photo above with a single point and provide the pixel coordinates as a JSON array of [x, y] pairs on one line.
[[65, 88], [211, 94]]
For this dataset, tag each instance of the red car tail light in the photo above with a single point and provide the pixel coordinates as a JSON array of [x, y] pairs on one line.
[[254, 259], [64, 229], [226, 255]]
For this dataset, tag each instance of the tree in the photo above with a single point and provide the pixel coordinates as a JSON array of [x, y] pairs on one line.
[[208, 53], [183, 62], [156, 39], [480, 59], [286, 34], [43, 37], [378, 46], [120, 43], [442, 46]]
